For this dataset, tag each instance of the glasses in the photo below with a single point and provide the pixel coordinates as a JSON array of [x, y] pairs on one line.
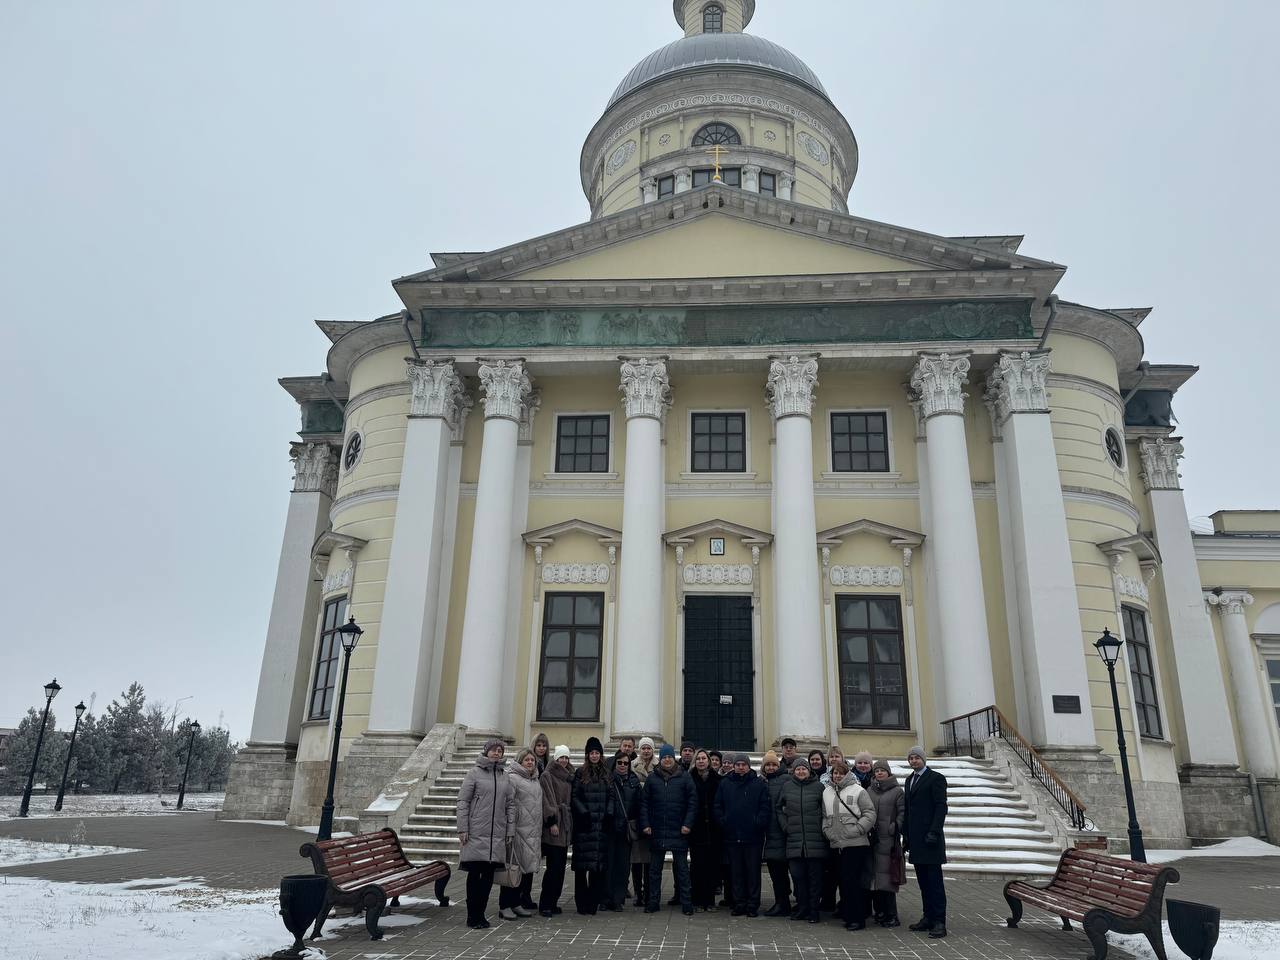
[[623, 763]]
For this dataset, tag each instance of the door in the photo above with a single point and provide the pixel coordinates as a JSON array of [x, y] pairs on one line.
[[719, 698]]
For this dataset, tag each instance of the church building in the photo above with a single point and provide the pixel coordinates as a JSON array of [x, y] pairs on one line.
[[727, 462]]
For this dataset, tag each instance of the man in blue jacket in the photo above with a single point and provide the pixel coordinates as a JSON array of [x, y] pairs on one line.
[[668, 806], [742, 808]]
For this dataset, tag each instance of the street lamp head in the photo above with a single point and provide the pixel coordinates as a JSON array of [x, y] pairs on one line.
[[350, 634], [1108, 648], [195, 726], [80, 709], [51, 689]]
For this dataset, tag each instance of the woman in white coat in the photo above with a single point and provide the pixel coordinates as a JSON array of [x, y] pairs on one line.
[[526, 843]]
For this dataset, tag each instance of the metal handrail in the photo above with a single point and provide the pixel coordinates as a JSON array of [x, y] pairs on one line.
[[990, 722]]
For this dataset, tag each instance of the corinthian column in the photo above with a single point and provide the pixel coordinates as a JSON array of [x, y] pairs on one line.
[[963, 647], [1254, 713], [646, 393], [798, 643], [402, 678], [506, 388], [1210, 740], [1048, 608]]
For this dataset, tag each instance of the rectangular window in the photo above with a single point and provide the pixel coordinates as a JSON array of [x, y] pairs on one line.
[[327, 659], [571, 642], [769, 184], [582, 444], [1273, 677], [859, 442], [732, 176], [719, 442], [666, 186], [873, 679], [1142, 672]]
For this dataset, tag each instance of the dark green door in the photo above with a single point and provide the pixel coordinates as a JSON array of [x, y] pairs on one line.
[[719, 700]]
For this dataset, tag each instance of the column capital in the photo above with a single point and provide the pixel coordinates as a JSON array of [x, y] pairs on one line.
[[1160, 458], [791, 384], [645, 387], [528, 410], [506, 388], [937, 382], [435, 388], [1017, 384], [1229, 601], [458, 422], [649, 187], [315, 467]]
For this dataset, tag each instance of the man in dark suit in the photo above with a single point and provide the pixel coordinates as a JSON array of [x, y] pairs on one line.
[[923, 840]]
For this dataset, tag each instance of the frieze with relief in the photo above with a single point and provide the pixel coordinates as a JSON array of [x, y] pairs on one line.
[[575, 573], [848, 576], [716, 574], [726, 326]]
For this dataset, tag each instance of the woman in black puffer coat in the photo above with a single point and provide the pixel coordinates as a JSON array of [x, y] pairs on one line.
[[593, 816], [775, 841], [704, 842]]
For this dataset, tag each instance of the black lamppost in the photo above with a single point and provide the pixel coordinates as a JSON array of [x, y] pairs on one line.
[[1108, 648], [349, 634], [62, 788], [50, 691], [191, 748]]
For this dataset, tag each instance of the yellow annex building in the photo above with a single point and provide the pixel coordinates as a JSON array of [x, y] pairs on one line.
[[727, 462]]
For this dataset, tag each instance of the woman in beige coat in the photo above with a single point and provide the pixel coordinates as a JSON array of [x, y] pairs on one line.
[[848, 816], [526, 845]]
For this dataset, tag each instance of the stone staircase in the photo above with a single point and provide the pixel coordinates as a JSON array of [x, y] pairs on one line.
[[991, 829]]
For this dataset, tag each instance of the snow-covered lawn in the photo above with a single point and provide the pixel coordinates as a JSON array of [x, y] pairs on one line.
[[14, 851], [112, 804], [1237, 940], [1235, 847], [151, 920]]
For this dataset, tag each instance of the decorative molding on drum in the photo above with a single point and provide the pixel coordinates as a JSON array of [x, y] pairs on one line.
[[703, 574]]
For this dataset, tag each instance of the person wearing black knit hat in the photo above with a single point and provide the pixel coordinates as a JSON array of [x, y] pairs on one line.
[[593, 812]]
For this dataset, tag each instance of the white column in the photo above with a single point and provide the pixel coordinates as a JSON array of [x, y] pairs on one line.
[[649, 189], [1200, 681], [751, 178], [1255, 714], [291, 629], [1048, 608], [402, 677], [637, 710], [785, 183], [798, 644], [963, 644], [480, 672]]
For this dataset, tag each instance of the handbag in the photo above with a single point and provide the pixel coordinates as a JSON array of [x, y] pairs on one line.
[[633, 830], [510, 875]]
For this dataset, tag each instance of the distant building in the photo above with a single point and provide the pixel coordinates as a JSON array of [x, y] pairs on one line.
[[727, 462]]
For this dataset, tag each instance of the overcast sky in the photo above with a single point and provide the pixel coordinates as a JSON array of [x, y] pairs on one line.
[[185, 188]]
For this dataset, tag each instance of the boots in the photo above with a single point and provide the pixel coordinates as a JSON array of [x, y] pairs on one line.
[[781, 908]]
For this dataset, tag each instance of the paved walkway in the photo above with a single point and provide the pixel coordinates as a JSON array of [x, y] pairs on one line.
[[251, 856]]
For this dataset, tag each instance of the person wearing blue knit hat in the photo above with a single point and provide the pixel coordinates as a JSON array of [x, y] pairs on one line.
[[668, 806]]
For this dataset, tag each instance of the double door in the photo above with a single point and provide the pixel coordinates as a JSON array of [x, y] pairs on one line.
[[719, 676]]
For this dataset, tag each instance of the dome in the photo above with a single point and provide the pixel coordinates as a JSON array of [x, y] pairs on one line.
[[715, 49]]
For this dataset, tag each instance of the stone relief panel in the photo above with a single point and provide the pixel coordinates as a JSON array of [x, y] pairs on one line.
[[864, 576], [1132, 587], [575, 573], [618, 159], [716, 574]]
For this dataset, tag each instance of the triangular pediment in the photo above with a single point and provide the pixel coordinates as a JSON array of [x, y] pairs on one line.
[[748, 535], [898, 536], [723, 232], [547, 535]]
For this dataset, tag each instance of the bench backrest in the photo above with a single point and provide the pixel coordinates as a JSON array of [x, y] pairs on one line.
[[1129, 885], [350, 858]]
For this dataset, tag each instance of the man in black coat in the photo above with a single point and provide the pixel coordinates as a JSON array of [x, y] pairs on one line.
[[923, 839], [743, 810], [668, 807]]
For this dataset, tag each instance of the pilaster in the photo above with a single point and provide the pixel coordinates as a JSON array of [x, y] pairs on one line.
[[1255, 714]]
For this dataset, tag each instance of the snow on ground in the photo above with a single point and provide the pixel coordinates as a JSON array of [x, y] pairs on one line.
[[14, 852], [151, 920], [113, 804], [1237, 940], [1235, 847]]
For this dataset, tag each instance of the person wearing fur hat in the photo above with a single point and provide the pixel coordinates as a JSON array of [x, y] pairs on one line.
[[486, 825], [557, 827], [593, 813], [646, 759], [848, 816], [775, 841], [924, 813], [668, 807], [800, 814], [888, 869], [526, 847]]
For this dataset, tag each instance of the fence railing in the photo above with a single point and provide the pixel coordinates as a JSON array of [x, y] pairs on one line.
[[967, 733]]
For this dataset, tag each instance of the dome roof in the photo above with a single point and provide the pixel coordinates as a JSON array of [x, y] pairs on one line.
[[714, 49]]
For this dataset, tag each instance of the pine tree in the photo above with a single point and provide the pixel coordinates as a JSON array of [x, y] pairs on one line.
[[127, 762], [22, 746]]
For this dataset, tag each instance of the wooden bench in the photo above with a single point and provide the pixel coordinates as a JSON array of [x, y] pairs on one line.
[[1103, 893], [368, 870]]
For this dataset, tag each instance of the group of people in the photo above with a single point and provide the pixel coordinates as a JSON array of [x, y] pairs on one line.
[[834, 834]]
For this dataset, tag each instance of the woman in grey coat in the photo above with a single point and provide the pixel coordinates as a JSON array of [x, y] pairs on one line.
[[889, 868], [486, 819], [526, 848]]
